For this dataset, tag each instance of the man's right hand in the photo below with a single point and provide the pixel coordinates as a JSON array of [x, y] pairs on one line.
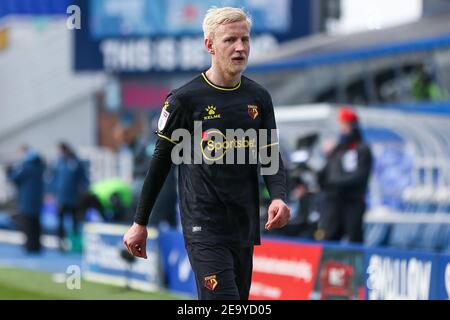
[[135, 240]]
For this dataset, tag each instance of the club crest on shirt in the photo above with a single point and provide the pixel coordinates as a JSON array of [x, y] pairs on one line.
[[211, 282], [252, 111]]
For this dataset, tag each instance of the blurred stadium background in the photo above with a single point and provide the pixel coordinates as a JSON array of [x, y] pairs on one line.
[[100, 87]]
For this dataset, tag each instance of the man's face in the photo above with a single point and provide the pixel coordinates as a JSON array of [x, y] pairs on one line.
[[231, 47], [64, 154], [345, 127]]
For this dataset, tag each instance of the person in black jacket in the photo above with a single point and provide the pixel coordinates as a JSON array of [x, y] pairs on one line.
[[344, 179]]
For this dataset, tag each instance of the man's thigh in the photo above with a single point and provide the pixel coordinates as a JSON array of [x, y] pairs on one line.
[[244, 269], [214, 270]]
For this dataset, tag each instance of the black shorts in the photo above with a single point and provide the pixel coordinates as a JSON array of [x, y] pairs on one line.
[[222, 272]]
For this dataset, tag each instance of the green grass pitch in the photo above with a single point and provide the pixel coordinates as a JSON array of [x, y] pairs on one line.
[[22, 284]]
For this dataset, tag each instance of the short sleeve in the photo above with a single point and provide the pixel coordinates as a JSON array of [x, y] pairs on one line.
[[173, 116]]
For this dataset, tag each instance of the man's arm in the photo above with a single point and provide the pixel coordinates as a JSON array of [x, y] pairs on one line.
[[276, 183], [173, 116], [154, 180], [278, 213], [17, 174], [135, 239]]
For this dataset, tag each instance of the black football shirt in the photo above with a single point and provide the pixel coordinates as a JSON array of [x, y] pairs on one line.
[[219, 200]]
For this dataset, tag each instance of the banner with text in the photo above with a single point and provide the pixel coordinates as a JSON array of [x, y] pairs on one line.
[[444, 277], [401, 275], [179, 275], [143, 36], [284, 270], [106, 260]]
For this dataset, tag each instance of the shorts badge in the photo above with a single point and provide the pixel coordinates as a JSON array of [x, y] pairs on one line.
[[211, 282]]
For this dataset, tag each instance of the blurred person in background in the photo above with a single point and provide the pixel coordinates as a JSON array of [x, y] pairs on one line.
[[220, 202], [69, 182], [304, 186], [344, 179], [130, 141], [112, 198], [424, 86], [28, 177]]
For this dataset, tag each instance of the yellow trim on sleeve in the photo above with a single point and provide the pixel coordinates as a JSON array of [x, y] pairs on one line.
[[269, 145], [220, 88], [164, 137]]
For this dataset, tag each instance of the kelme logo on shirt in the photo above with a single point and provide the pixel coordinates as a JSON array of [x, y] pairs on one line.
[[211, 113]]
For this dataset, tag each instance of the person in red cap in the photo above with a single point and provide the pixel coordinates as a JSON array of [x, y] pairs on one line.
[[347, 116], [344, 180]]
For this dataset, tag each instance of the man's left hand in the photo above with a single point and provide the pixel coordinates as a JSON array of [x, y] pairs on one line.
[[278, 214]]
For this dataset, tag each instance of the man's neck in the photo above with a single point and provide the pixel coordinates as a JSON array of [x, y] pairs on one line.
[[221, 78]]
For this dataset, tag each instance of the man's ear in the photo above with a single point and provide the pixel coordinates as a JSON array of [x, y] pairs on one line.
[[209, 45]]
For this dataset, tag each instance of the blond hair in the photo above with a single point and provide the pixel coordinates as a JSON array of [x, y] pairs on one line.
[[218, 16]]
